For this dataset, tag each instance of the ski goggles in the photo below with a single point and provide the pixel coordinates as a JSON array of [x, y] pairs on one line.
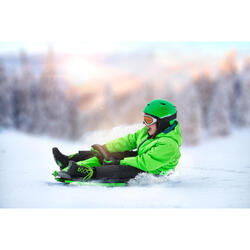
[[149, 120]]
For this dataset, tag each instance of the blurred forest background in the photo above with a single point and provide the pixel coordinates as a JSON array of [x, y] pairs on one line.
[[65, 95]]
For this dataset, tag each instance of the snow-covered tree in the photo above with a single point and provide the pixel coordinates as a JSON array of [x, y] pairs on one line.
[[204, 85], [219, 115], [166, 91], [136, 102], [5, 99], [77, 121], [223, 109], [23, 103], [52, 108], [244, 100], [146, 93], [189, 114], [229, 71], [108, 107]]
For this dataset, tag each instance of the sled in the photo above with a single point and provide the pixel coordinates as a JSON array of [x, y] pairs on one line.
[[79, 182]]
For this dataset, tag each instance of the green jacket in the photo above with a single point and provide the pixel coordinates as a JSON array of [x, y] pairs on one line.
[[156, 156]]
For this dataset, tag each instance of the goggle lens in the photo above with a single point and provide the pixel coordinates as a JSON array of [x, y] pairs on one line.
[[148, 120]]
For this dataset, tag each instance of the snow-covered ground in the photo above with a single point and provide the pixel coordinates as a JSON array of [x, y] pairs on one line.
[[214, 174]]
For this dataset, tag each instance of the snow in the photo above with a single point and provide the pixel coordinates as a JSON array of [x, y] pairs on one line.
[[214, 174]]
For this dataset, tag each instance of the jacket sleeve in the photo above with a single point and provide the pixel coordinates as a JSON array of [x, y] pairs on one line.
[[123, 144], [156, 157]]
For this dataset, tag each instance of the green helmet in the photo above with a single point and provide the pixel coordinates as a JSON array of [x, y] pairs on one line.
[[164, 111], [160, 109]]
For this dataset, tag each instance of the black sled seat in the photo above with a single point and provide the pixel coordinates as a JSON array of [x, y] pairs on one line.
[[115, 173]]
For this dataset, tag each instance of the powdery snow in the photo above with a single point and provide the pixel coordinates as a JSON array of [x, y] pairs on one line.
[[214, 174]]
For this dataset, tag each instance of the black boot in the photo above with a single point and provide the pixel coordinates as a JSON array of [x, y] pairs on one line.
[[76, 170], [61, 160]]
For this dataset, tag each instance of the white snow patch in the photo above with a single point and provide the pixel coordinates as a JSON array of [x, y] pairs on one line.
[[214, 174]]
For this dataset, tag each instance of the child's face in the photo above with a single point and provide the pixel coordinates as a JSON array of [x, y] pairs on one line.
[[152, 129]]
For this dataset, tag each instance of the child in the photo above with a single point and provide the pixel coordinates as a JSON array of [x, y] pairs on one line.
[[156, 150]]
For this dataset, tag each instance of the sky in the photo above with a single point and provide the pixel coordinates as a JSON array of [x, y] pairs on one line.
[[69, 47], [113, 25], [109, 47], [65, 22]]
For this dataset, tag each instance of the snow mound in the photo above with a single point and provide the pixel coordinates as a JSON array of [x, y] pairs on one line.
[[144, 179]]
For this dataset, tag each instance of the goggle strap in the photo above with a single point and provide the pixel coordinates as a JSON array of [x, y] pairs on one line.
[[169, 118]]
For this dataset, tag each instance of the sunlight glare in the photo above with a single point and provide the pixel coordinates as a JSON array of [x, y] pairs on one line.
[[79, 70]]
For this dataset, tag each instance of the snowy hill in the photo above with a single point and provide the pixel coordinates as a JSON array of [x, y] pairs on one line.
[[214, 174]]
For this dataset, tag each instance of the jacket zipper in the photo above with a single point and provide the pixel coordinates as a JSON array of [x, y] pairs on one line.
[[149, 137]]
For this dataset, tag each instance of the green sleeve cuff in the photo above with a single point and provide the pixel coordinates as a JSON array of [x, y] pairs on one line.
[[92, 162], [131, 161], [109, 147]]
